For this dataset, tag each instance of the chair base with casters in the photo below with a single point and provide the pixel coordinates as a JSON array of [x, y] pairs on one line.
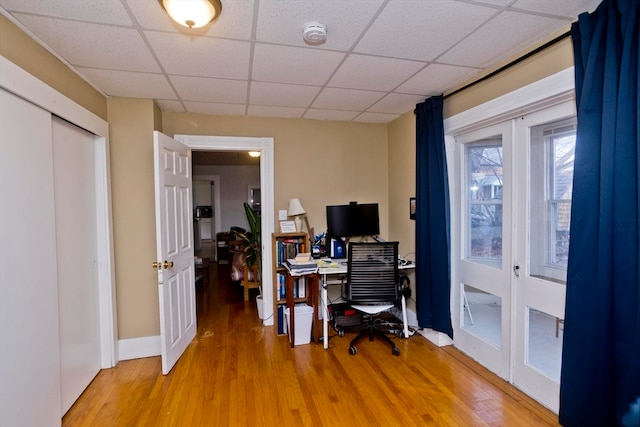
[[371, 329]]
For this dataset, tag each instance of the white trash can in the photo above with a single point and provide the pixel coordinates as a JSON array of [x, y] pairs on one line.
[[303, 323]]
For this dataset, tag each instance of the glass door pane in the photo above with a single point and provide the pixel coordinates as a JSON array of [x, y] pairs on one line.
[[482, 256]]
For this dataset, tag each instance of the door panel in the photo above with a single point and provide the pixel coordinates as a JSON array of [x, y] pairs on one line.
[[484, 251], [29, 345], [542, 240], [76, 229], [175, 251]]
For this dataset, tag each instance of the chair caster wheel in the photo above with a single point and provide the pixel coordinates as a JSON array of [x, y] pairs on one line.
[[341, 333], [353, 350], [395, 351]]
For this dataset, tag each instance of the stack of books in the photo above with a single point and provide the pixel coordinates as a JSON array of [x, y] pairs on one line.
[[302, 264]]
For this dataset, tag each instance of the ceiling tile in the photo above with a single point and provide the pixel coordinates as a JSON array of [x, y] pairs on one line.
[[269, 111], [434, 77], [216, 109], [346, 99], [501, 37], [283, 64], [320, 114], [395, 103], [380, 58], [282, 94], [284, 21], [200, 56], [129, 84], [376, 117], [374, 73], [97, 11], [210, 90], [570, 9], [170, 106], [421, 30], [99, 46]]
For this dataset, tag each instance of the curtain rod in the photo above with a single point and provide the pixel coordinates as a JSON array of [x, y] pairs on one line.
[[512, 63]]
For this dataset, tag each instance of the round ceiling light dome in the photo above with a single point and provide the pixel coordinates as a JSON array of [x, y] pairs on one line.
[[315, 33], [192, 13]]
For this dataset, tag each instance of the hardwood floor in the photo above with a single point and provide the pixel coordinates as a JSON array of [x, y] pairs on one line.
[[237, 372]]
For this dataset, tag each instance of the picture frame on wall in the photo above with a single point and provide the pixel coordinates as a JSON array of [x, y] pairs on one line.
[[412, 208]]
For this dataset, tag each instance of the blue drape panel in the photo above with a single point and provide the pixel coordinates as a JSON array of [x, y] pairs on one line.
[[601, 351], [433, 264]]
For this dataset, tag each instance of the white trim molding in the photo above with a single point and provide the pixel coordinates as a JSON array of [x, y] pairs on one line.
[[137, 348], [527, 99], [266, 147]]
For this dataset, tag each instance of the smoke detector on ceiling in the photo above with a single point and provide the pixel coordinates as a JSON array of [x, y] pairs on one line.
[[315, 33]]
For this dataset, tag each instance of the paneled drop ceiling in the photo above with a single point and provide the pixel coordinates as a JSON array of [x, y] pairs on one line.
[[381, 56]]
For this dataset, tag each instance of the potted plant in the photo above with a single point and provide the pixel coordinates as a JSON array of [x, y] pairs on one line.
[[252, 247]]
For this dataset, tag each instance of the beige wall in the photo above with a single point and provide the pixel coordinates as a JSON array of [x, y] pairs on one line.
[[319, 162], [131, 123], [20, 49]]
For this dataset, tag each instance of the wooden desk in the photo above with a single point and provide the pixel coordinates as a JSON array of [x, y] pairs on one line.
[[312, 300]]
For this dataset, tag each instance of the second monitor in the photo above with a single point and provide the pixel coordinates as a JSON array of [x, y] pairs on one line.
[[344, 221]]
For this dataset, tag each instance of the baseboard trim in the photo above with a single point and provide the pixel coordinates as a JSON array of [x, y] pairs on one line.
[[438, 338], [137, 348]]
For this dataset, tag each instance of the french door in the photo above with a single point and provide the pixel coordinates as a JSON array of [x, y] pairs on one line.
[[511, 205]]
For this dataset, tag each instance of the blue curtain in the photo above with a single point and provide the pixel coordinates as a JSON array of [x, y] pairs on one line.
[[433, 265], [600, 378]]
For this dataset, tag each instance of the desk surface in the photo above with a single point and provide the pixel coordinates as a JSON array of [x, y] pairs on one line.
[[339, 266]]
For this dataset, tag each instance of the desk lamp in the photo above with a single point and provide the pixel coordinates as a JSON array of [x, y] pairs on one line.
[[297, 211]]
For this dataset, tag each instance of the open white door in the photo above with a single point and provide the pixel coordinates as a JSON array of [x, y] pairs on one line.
[[174, 239]]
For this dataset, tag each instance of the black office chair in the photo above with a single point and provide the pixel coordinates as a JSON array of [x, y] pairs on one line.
[[372, 286]]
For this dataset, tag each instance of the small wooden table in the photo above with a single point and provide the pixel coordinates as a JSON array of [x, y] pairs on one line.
[[312, 281]]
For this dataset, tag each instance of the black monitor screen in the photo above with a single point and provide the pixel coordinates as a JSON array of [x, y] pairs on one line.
[[338, 221], [365, 220], [353, 220]]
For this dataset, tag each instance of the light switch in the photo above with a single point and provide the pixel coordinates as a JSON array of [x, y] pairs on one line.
[[282, 215]]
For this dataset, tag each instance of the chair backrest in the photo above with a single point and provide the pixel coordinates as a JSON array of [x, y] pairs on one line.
[[372, 273]]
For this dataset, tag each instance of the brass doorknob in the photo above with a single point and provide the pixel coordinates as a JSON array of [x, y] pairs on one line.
[[158, 266]]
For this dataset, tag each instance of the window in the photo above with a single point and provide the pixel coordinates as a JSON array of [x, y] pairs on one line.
[[552, 158], [484, 184]]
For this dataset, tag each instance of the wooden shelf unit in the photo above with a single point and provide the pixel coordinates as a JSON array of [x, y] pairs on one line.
[[299, 242]]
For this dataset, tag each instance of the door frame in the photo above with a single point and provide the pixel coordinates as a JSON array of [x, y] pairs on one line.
[[18, 81], [266, 147]]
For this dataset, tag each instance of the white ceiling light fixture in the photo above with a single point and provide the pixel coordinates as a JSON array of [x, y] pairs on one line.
[[192, 13], [314, 33], [254, 153]]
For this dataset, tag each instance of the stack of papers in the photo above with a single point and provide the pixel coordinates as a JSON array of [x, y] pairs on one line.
[[300, 267]]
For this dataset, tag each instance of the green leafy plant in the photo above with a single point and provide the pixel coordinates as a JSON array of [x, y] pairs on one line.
[[251, 239]]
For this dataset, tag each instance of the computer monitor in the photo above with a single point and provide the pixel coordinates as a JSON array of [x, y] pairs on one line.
[[344, 221], [366, 220]]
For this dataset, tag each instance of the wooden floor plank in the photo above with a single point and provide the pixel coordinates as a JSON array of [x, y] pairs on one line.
[[237, 372]]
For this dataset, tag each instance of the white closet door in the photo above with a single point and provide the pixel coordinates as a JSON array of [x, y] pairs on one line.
[[78, 299], [29, 349]]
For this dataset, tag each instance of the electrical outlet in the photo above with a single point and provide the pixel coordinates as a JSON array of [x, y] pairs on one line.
[[282, 215]]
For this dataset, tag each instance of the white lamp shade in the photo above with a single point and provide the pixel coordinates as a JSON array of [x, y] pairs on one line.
[[192, 13], [295, 208]]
